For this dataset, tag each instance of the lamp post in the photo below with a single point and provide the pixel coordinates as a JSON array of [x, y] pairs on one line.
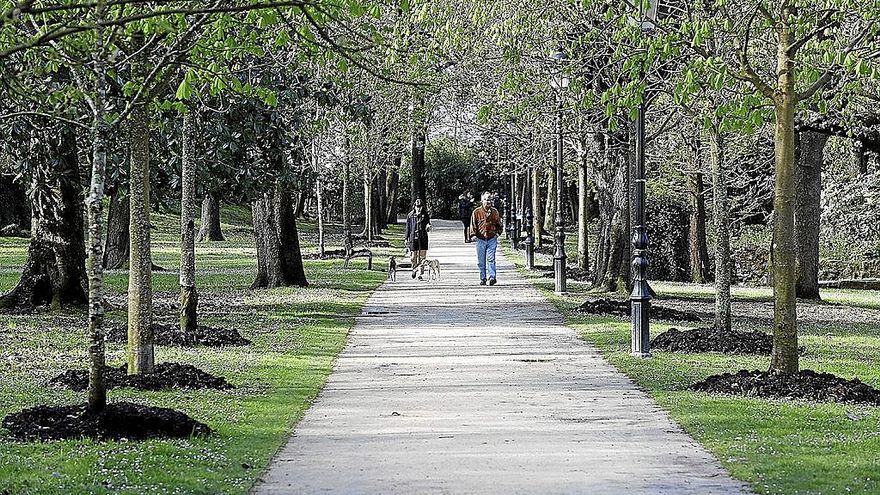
[[530, 221], [508, 211], [559, 82], [640, 298], [513, 232]]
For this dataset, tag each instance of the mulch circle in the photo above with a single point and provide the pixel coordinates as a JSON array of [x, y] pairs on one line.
[[572, 273], [118, 420], [711, 340], [805, 385], [171, 335], [613, 307], [165, 376]]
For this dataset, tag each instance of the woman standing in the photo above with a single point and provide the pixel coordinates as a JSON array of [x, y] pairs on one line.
[[418, 224]]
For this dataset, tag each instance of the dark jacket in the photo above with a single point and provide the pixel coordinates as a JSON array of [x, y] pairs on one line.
[[465, 208], [417, 230]]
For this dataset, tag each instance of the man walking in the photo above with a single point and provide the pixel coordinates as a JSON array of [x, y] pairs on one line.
[[485, 227]]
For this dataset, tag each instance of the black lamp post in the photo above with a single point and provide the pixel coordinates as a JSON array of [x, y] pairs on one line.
[[559, 82], [530, 221], [513, 230], [508, 211], [640, 298]]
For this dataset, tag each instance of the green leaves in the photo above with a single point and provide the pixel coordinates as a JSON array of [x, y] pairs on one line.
[[185, 89]]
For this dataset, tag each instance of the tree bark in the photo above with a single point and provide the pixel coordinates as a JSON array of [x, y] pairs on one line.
[[210, 224], [418, 164], [266, 238], [346, 209], [368, 207], [721, 204], [189, 296], [288, 237], [550, 210], [381, 199], [54, 272], [536, 207], [97, 390], [391, 186], [116, 246], [810, 155], [141, 356], [319, 197], [583, 216], [279, 258], [859, 162], [785, 352], [698, 250]]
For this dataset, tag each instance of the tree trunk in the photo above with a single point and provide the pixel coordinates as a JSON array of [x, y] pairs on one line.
[[346, 209], [583, 215], [279, 258], [723, 263], [859, 162], [97, 390], [210, 225], [536, 207], [785, 352], [550, 210], [808, 181], [266, 239], [54, 272], [418, 164], [698, 250], [189, 296], [612, 266], [391, 186], [368, 207], [319, 198], [378, 214], [290, 253], [381, 199], [140, 276], [116, 247]]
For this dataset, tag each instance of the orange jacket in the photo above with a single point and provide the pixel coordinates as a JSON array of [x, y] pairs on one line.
[[485, 224]]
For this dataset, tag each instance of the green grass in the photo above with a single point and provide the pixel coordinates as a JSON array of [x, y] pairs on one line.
[[779, 447], [296, 334]]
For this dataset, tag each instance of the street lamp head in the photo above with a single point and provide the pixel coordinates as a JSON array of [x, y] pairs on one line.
[[649, 17], [559, 56], [559, 80]]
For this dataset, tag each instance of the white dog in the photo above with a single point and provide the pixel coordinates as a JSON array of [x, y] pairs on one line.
[[433, 267]]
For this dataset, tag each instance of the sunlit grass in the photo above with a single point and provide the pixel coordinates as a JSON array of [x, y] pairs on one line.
[[296, 334], [779, 447]]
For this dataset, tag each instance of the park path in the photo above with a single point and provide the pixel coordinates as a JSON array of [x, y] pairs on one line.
[[449, 387]]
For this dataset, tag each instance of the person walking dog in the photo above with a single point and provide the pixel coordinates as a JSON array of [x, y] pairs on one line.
[[418, 224], [485, 227]]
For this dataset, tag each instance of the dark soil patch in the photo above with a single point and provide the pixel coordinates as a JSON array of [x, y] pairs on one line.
[[711, 340], [614, 307], [165, 376], [119, 420], [804, 385], [172, 335], [572, 273]]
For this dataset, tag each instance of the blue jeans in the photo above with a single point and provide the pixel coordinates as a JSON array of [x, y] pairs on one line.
[[486, 257]]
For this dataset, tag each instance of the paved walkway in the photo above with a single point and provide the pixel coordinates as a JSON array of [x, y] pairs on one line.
[[449, 387]]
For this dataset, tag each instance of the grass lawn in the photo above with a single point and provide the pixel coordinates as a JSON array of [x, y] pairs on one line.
[[296, 334], [779, 447]]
